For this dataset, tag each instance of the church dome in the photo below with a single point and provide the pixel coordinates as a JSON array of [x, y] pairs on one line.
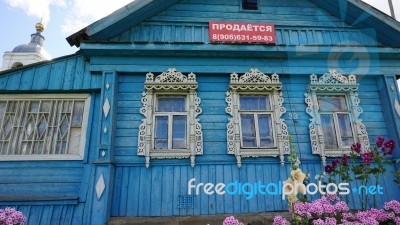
[[36, 43], [32, 48]]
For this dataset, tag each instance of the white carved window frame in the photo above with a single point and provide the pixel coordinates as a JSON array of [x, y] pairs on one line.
[[78, 153], [334, 83], [171, 83], [258, 83]]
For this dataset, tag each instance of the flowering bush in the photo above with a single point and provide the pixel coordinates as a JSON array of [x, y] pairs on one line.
[[364, 163], [331, 211], [10, 216], [232, 221]]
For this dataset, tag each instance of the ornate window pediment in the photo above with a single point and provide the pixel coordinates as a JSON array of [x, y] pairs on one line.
[[256, 128], [333, 104], [170, 128]]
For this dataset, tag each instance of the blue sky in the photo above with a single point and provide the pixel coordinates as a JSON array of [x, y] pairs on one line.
[[65, 17]]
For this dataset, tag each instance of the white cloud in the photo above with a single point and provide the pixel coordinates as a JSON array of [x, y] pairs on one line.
[[77, 13], [37, 8], [83, 12]]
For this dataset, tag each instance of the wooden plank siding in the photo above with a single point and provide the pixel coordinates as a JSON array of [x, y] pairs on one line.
[[187, 22], [139, 195], [70, 73], [48, 191]]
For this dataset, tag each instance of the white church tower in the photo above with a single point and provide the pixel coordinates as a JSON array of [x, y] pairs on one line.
[[27, 53]]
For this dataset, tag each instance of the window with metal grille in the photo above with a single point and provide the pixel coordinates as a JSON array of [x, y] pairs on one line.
[[42, 126], [250, 4]]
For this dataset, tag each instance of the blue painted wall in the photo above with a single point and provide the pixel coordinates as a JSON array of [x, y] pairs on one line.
[[154, 192], [63, 192]]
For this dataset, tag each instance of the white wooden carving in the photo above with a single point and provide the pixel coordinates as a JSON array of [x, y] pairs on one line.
[[256, 82], [334, 82], [170, 81]]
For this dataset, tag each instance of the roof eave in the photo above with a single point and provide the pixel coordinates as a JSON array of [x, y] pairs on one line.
[[120, 20]]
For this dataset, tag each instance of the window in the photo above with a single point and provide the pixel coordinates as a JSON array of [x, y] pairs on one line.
[[255, 101], [256, 121], [333, 105], [335, 121], [170, 128], [170, 122], [16, 65], [250, 4], [42, 126]]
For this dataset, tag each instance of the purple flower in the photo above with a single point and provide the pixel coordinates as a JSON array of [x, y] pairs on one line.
[[389, 144], [356, 147], [335, 163], [328, 168], [345, 160], [379, 141], [370, 154], [367, 157]]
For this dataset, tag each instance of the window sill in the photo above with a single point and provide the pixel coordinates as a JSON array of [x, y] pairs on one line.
[[259, 152], [40, 157]]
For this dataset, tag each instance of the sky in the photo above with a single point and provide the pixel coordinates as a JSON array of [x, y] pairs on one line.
[[65, 17]]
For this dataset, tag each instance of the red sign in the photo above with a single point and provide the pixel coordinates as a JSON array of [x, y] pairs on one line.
[[240, 32]]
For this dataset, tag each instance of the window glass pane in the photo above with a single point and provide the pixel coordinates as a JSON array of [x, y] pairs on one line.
[[3, 106], [331, 103], [248, 130], [179, 132], [78, 114], [265, 131], [34, 107], [171, 104], [46, 106], [346, 133], [328, 129], [254, 102], [249, 4], [161, 132]]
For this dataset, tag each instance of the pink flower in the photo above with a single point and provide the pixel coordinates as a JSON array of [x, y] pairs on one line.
[[332, 197], [318, 222], [279, 220], [231, 221]]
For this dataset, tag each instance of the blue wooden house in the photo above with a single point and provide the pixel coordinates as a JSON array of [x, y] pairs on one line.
[[153, 100]]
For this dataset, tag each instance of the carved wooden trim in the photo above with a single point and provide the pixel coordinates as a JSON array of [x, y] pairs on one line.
[[334, 82], [257, 82], [172, 81]]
